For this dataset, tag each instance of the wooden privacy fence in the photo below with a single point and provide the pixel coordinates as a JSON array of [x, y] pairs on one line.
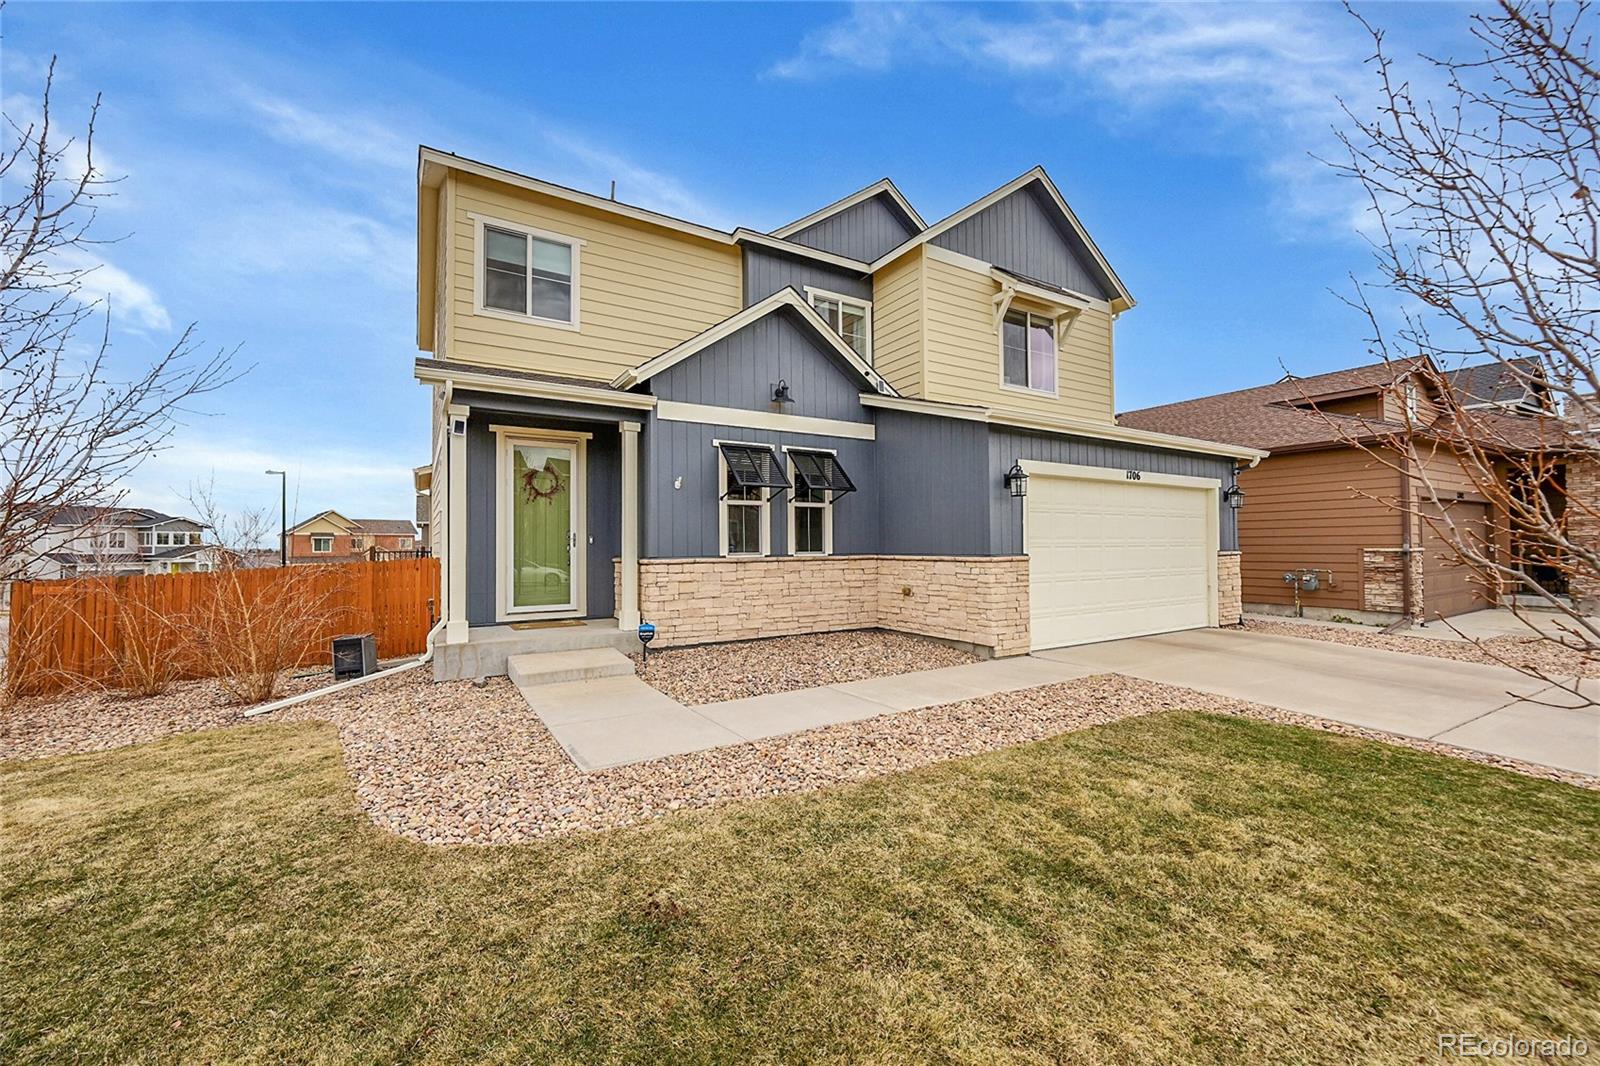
[[74, 630]]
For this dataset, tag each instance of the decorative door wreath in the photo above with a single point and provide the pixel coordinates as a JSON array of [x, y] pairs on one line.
[[530, 482]]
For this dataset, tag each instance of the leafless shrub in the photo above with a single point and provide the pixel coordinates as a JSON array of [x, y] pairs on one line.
[[71, 428]]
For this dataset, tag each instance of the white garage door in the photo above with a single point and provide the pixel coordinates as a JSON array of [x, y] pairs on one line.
[[1117, 558]]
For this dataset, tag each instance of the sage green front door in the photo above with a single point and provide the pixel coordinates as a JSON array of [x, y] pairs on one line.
[[543, 533]]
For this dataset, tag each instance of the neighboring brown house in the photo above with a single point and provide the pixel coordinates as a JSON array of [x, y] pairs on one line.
[[1321, 506], [330, 537]]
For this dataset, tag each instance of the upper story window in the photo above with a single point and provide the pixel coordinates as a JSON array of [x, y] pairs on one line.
[[528, 273], [404, 543], [1028, 352], [849, 317], [321, 543], [116, 539]]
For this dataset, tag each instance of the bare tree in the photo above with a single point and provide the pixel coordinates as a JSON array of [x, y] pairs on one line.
[[1487, 236], [72, 428]]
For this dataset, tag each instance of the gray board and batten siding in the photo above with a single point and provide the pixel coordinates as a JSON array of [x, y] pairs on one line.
[[602, 492], [741, 369], [1025, 233], [861, 231], [1006, 446], [680, 517], [767, 272]]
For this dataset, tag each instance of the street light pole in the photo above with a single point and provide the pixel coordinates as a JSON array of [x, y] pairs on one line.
[[283, 516]]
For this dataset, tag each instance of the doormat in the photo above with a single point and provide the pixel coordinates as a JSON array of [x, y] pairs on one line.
[[559, 623]]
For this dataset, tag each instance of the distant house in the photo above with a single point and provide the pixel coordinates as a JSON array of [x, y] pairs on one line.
[[330, 537], [118, 540], [1335, 500]]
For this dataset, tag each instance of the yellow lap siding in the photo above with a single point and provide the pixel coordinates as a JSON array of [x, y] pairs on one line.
[[897, 323], [963, 351], [642, 289]]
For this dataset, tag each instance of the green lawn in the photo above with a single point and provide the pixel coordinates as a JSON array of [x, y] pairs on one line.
[[1181, 887]]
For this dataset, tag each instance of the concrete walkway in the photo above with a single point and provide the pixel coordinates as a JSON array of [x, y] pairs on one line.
[[612, 721], [1486, 708], [1478, 625]]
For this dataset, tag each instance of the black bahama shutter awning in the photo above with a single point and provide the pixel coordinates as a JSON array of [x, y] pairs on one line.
[[753, 466], [820, 472]]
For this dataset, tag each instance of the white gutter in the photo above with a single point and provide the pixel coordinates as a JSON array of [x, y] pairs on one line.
[[317, 694]]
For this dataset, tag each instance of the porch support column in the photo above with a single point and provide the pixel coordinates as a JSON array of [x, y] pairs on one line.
[[628, 609], [455, 577]]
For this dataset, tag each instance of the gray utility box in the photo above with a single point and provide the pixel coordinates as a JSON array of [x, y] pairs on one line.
[[354, 656]]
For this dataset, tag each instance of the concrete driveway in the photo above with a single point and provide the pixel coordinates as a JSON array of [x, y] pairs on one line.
[[1486, 708]]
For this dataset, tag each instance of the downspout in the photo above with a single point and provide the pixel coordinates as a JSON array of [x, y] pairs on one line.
[[316, 694], [1407, 608]]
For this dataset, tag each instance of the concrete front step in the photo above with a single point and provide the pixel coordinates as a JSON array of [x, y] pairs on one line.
[[554, 667]]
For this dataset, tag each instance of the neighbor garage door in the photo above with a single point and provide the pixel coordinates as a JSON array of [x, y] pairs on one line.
[[1117, 558], [1450, 587]]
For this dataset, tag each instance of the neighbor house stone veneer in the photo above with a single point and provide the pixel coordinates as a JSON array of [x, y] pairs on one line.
[[1381, 575], [1230, 606], [980, 600], [1583, 527]]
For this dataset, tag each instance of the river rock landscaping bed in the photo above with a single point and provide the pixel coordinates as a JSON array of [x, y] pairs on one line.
[[471, 763], [711, 673], [98, 719], [1526, 653]]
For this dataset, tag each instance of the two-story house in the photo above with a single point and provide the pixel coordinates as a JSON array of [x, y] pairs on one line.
[[330, 537], [117, 541], [858, 419]]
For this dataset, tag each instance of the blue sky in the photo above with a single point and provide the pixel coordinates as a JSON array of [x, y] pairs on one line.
[[268, 157]]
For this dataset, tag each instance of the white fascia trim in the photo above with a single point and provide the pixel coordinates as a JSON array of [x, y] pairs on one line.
[[1125, 435], [925, 407], [1036, 174], [430, 160], [766, 240], [882, 185], [1068, 426], [786, 297], [708, 414], [542, 390]]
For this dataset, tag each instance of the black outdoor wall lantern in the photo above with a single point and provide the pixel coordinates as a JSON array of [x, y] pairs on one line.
[[1234, 497], [780, 392], [1017, 480]]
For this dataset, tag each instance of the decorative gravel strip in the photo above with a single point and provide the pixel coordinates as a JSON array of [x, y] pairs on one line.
[[470, 763], [715, 672], [1528, 653], [464, 763], [96, 719]]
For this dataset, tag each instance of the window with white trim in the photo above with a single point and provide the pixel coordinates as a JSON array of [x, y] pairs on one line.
[[810, 518], [116, 539], [404, 543], [322, 543], [529, 273], [747, 475], [850, 318], [1028, 351]]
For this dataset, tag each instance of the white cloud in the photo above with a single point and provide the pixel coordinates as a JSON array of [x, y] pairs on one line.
[[636, 184], [359, 483], [348, 136], [104, 283], [1264, 80]]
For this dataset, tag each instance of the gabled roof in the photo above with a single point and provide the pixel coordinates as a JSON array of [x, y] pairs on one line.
[[785, 297], [1121, 295], [881, 187], [1498, 383], [1266, 416], [332, 516]]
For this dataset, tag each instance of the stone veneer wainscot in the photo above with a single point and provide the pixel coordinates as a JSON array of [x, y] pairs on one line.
[[979, 600]]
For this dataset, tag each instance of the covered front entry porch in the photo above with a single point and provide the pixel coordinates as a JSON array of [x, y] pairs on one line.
[[541, 499]]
